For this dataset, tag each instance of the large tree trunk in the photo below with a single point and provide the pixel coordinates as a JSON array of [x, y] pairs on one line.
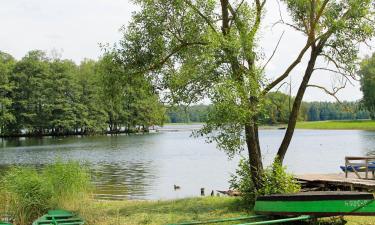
[[255, 156], [297, 104]]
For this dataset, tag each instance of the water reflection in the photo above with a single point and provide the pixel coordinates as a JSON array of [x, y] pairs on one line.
[[132, 180]]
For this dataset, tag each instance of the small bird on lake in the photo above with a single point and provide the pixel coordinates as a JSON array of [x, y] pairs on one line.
[[176, 187]]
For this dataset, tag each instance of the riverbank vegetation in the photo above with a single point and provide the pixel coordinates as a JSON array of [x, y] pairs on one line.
[[41, 95], [276, 180], [27, 193]]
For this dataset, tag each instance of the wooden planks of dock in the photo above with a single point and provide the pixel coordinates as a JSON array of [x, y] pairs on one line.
[[335, 182]]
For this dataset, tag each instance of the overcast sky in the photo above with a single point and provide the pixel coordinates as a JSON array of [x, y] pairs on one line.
[[76, 27]]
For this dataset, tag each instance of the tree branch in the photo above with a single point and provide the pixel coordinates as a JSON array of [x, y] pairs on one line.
[[338, 72], [288, 70], [332, 93], [174, 51], [225, 15], [274, 51], [188, 2]]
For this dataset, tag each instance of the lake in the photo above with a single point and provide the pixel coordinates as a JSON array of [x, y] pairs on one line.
[[147, 166]]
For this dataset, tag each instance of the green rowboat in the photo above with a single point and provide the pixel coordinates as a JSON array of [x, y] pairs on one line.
[[317, 204], [59, 217]]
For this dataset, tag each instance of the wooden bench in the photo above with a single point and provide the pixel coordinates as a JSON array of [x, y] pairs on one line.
[[360, 164]]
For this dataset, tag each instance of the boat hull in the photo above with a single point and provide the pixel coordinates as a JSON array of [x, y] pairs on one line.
[[324, 204]]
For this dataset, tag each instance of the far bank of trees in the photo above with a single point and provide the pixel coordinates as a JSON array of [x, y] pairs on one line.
[[277, 111], [51, 96]]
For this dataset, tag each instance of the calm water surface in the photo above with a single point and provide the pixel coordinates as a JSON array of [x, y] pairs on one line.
[[147, 166]]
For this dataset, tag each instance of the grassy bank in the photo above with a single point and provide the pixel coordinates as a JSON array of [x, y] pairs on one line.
[[165, 212], [162, 212], [338, 125]]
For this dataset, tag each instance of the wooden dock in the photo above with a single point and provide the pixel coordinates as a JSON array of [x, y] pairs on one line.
[[334, 182]]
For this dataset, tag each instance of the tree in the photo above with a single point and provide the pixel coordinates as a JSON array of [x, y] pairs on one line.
[[6, 87], [207, 49], [276, 108], [113, 92], [91, 115], [334, 30], [62, 96], [367, 74], [29, 96], [129, 99]]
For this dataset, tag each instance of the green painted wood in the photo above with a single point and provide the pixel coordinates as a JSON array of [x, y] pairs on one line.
[[59, 217], [322, 207]]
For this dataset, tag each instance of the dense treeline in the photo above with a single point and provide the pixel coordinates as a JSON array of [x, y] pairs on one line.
[[51, 96], [182, 114], [277, 109], [335, 111]]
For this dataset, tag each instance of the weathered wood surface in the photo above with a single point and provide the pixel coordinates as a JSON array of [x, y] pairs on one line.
[[336, 181]]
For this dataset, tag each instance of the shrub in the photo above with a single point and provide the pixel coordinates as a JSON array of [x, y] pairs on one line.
[[70, 183], [30, 194], [27, 193], [275, 181]]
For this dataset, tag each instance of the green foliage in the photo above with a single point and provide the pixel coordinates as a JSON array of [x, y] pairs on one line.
[[51, 96], [275, 180], [344, 24], [367, 74], [129, 99], [198, 50], [276, 111], [192, 59], [181, 114], [320, 111], [6, 87], [29, 193], [70, 182]]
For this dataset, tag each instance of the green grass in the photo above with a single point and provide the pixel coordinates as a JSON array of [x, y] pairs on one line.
[[163, 212], [338, 125], [182, 210], [27, 193]]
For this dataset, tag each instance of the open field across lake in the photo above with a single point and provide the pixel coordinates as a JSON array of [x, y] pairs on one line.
[[338, 125], [317, 125]]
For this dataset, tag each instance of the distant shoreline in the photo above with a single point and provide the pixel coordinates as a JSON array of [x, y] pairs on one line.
[[367, 125], [314, 125]]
